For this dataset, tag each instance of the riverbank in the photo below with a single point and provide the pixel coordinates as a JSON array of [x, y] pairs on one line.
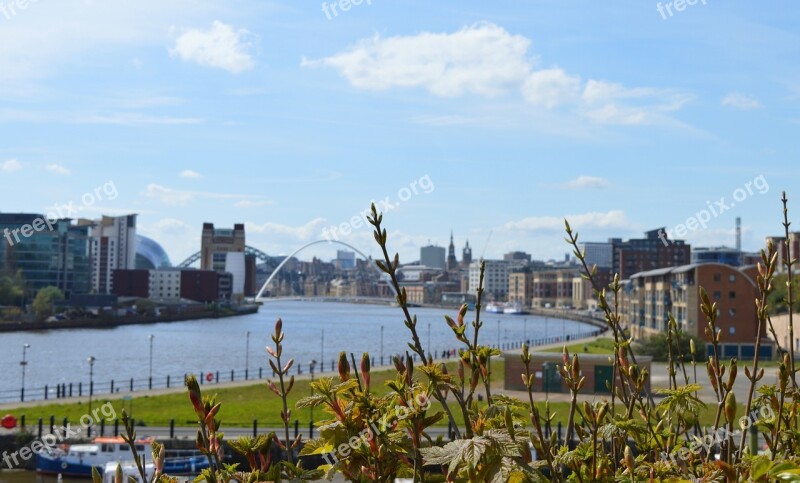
[[121, 321]]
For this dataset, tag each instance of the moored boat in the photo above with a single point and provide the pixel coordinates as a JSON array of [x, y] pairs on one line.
[[78, 460]]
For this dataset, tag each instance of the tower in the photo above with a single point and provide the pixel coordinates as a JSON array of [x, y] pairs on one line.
[[466, 255], [738, 234], [452, 263]]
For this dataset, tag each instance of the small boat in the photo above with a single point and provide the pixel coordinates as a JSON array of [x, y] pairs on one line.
[[494, 308], [79, 459], [514, 309]]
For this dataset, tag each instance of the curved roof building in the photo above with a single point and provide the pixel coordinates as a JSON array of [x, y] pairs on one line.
[[150, 255]]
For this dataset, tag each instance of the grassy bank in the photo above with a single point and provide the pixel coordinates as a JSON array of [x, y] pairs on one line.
[[240, 405]]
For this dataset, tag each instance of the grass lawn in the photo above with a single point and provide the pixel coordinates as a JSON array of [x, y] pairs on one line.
[[597, 346], [240, 405]]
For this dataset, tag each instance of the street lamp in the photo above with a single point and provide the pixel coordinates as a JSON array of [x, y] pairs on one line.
[[150, 376], [90, 360], [498, 334], [381, 345], [23, 363]]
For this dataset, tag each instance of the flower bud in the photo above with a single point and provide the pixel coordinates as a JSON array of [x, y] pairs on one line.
[[344, 367], [730, 407], [195, 396], [365, 367]]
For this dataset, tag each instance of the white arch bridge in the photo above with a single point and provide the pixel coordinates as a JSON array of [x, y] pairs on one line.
[[263, 257]]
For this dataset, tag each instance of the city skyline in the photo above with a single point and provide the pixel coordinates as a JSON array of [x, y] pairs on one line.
[[292, 120]]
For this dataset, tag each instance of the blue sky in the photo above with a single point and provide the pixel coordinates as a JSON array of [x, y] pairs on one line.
[[517, 113]]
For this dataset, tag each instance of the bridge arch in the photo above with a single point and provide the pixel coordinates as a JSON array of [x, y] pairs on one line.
[[260, 294], [248, 250]]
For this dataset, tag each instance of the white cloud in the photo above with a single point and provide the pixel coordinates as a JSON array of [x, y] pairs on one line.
[[487, 60], [189, 174], [221, 47], [308, 232], [741, 101], [481, 59], [58, 169], [586, 182], [253, 204], [10, 166], [551, 88], [171, 225], [610, 219], [170, 196]]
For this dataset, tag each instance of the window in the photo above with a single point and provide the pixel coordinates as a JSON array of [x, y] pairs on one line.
[[717, 295], [732, 278], [731, 295], [717, 277], [732, 313]]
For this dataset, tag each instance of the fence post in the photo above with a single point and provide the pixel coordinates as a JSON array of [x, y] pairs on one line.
[[259, 373], [311, 430], [112, 386], [40, 428], [296, 428], [45, 391], [52, 423], [232, 375], [102, 427], [255, 428], [70, 389], [167, 382], [150, 383], [116, 427], [171, 429]]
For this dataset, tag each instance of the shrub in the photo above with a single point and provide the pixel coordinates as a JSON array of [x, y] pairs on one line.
[[379, 434]]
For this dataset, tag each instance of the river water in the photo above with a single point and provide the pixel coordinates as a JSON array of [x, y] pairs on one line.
[[210, 345]]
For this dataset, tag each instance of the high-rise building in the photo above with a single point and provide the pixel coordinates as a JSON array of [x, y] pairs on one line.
[[653, 251], [223, 250], [113, 247], [598, 253], [452, 263], [495, 279], [48, 253], [432, 256], [345, 260]]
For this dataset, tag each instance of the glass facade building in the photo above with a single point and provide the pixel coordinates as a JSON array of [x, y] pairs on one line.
[[54, 253]]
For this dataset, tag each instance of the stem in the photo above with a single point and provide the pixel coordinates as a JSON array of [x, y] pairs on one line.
[[789, 285]]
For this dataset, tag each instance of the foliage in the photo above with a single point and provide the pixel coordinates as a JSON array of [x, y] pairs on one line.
[[380, 434], [657, 347], [777, 299], [12, 287], [45, 298]]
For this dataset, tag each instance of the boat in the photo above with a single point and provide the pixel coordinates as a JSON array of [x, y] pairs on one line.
[[514, 309], [78, 460], [494, 308]]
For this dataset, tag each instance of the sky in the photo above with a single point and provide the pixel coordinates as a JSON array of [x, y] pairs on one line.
[[495, 120]]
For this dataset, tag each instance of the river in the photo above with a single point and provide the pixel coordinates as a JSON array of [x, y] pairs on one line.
[[211, 345]]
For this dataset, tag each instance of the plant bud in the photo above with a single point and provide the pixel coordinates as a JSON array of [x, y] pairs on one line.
[[730, 407], [195, 396], [629, 460], [365, 367], [344, 367]]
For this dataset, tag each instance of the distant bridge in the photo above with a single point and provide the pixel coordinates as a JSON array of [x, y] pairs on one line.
[[267, 260], [260, 294], [248, 250]]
